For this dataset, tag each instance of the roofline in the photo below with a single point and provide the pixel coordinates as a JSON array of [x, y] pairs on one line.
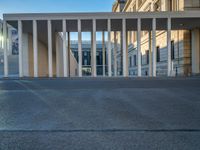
[[100, 15]]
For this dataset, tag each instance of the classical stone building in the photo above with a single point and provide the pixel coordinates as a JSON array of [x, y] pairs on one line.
[[183, 42]]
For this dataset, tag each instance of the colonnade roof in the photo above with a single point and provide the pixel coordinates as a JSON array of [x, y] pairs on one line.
[[180, 20]]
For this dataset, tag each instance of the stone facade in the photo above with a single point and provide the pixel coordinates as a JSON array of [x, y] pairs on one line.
[[181, 39]]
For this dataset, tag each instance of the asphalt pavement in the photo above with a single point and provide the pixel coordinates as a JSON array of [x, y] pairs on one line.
[[100, 114]]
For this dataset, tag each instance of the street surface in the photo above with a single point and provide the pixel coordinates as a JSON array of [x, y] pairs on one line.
[[100, 114]]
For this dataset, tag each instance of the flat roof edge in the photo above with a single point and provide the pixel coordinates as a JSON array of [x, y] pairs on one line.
[[100, 15]]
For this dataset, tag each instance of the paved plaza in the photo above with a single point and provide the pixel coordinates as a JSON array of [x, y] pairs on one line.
[[100, 114]]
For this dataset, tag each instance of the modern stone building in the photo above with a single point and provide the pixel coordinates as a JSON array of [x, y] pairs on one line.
[[184, 43], [149, 40], [86, 57]]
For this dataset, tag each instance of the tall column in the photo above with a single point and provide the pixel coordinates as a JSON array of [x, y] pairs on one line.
[[20, 48], [35, 48], [169, 62], [1, 38], [64, 49], [125, 72], [94, 66], [79, 49], [154, 45], [5, 49], [50, 48], [115, 53], [103, 53], [150, 54], [68, 53], [109, 48], [139, 47]]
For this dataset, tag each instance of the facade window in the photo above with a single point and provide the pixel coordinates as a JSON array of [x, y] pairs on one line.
[[135, 61], [99, 58], [85, 62], [172, 50], [147, 56], [158, 53], [130, 61]]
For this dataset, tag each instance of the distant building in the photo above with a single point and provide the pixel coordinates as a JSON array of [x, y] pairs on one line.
[[86, 57]]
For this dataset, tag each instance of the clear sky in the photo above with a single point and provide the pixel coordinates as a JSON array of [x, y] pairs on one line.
[[46, 6], [31, 6]]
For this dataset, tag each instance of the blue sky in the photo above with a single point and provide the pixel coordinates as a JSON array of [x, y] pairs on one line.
[[46, 6], [31, 6]]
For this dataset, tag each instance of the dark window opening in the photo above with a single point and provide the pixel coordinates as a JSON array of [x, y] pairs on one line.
[[172, 50], [147, 56], [158, 54]]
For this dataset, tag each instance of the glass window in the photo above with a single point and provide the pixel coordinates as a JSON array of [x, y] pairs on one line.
[[135, 61], [130, 61], [172, 50], [147, 56], [158, 54]]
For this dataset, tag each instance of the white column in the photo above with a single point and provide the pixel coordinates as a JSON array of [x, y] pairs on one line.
[[1, 36], [169, 62], [109, 48], [20, 48], [5, 49], [125, 72], [139, 47], [68, 53], [35, 48], [154, 46], [115, 53], [50, 48], [94, 71], [103, 53], [150, 54], [79, 49], [65, 68]]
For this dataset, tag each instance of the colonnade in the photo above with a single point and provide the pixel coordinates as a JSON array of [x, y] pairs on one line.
[[94, 69]]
